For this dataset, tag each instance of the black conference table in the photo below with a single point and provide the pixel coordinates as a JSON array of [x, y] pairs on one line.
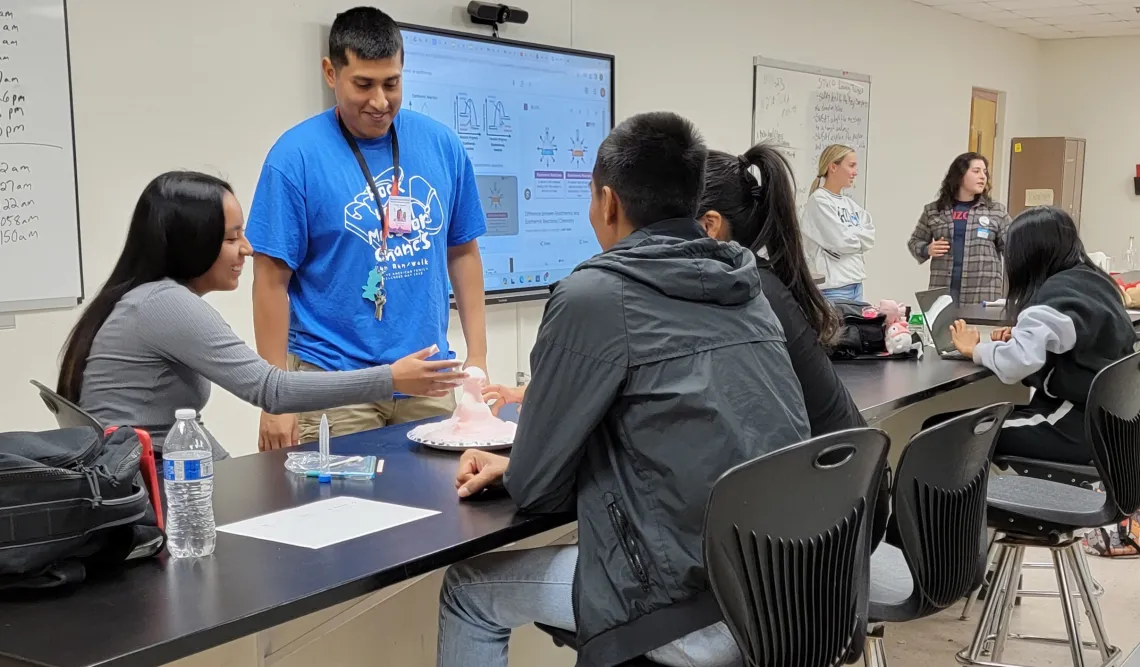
[[161, 610], [995, 316]]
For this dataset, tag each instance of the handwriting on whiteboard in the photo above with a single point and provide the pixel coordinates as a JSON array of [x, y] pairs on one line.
[[804, 112], [19, 217]]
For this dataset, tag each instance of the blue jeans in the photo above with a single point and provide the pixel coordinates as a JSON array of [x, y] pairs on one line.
[[852, 292], [485, 597]]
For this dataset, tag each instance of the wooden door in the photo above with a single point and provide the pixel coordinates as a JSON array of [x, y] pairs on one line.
[[983, 123]]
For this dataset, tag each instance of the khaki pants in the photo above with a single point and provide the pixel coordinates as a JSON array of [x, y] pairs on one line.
[[356, 418]]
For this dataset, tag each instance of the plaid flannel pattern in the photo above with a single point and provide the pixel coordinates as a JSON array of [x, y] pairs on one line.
[[983, 275]]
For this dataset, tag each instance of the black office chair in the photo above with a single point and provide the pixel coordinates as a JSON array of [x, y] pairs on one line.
[[939, 523], [1053, 471], [1037, 513], [786, 548], [67, 414], [569, 639]]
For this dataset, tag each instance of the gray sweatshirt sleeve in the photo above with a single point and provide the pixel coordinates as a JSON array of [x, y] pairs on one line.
[[1039, 330], [180, 326]]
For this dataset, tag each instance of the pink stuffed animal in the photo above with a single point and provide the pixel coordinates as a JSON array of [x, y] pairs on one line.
[[895, 312], [898, 338]]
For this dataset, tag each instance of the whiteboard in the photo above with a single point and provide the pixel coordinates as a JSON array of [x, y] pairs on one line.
[[804, 109], [39, 214]]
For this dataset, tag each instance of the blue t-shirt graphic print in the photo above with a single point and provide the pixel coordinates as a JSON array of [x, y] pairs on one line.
[[313, 210]]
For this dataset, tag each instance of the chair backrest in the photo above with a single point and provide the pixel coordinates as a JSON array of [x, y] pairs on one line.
[[787, 549], [939, 506], [67, 414], [1112, 426]]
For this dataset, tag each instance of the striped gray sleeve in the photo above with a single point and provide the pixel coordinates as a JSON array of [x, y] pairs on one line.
[[182, 327], [1039, 330]]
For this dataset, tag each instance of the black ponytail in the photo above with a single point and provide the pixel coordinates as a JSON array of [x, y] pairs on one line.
[[761, 214]]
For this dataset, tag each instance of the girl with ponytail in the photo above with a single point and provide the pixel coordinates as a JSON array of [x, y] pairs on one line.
[[837, 231], [751, 199]]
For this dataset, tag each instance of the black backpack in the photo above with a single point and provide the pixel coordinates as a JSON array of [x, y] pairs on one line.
[[72, 500], [861, 334]]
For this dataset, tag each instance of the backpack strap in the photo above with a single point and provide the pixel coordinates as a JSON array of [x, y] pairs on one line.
[[149, 473]]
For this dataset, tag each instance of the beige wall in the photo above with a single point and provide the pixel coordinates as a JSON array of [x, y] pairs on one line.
[[209, 85], [1090, 89]]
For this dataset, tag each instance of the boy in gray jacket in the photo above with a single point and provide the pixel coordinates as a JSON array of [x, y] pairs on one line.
[[659, 365]]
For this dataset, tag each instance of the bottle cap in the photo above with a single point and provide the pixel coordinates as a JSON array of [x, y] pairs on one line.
[[324, 478], [186, 413]]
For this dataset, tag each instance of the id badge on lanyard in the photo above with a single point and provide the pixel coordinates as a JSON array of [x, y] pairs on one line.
[[395, 216]]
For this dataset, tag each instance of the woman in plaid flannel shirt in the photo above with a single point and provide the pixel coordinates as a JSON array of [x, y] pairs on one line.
[[963, 234]]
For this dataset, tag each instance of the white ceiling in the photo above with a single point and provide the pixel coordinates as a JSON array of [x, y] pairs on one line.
[[1050, 19]]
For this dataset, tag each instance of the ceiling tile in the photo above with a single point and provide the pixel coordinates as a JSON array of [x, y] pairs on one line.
[[1106, 30], [1049, 19], [1033, 4], [1042, 12], [1064, 21]]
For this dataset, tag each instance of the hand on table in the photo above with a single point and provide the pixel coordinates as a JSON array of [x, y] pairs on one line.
[[277, 432], [415, 377], [501, 396], [479, 470], [1001, 335], [938, 248], [964, 337]]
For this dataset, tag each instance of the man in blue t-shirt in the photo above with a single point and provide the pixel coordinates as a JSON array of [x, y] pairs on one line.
[[343, 281]]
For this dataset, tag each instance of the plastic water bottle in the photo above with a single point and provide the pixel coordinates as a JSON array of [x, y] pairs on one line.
[[1130, 254], [917, 325], [188, 471]]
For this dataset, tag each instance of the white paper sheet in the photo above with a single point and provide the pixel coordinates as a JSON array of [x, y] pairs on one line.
[[327, 522]]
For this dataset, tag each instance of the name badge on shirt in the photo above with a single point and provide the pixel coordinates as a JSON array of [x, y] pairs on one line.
[[983, 233], [400, 215]]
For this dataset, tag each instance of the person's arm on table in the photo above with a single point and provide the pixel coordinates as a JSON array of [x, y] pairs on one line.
[[464, 264], [1039, 330]]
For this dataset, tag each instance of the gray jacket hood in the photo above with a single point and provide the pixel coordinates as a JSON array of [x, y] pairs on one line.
[[675, 258]]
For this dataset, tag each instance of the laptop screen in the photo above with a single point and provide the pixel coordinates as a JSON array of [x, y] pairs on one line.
[[939, 311]]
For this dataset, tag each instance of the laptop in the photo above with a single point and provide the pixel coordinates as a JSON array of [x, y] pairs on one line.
[[939, 310]]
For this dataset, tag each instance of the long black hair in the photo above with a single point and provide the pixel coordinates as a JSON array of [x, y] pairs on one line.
[[1042, 241], [761, 214], [948, 191], [176, 232]]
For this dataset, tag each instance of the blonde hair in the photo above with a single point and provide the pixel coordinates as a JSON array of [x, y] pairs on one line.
[[833, 154]]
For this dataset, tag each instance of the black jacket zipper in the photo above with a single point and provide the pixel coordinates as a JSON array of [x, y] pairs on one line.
[[629, 545]]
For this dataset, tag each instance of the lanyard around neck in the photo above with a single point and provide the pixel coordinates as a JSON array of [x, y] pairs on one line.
[[351, 141]]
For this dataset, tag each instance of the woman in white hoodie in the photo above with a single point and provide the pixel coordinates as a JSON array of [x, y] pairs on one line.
[[836, 230]]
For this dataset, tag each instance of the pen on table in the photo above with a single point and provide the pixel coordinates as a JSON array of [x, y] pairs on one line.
[[323, 440]]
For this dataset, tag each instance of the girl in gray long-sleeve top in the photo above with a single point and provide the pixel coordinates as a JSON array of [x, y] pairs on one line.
[[148, 344]]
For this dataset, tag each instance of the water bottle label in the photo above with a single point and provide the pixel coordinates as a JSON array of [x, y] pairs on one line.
[[175, 470]]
